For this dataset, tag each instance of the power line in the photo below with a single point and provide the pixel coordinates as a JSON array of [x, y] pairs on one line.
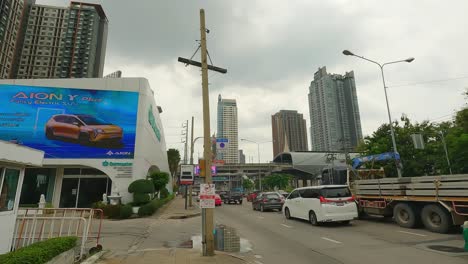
[[429, 82]]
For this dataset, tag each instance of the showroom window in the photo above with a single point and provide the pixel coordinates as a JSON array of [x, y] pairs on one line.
[[8, 186]]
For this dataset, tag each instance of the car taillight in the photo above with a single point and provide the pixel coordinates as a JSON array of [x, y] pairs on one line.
[[352, 199], [325, 200], [265, 200]]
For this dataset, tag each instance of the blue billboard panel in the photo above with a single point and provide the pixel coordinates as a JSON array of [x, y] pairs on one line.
[[70, 123]]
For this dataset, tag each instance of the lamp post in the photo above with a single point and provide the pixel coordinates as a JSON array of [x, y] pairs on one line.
[[349, 53], [258, 154]]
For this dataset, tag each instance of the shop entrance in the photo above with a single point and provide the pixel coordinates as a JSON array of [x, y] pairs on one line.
[[83, 187]]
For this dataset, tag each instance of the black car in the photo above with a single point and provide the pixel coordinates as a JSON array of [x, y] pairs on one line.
[[268, 201], [232, 197]]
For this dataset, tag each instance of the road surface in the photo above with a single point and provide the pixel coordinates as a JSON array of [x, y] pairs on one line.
[[275, 239]]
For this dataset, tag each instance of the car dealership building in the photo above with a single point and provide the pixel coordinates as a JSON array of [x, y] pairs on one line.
[[97, 135]]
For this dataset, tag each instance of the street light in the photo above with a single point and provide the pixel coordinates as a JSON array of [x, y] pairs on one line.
[[258, 146], [349, 53]]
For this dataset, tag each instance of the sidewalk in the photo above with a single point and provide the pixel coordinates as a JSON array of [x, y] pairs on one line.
[[155, 239]]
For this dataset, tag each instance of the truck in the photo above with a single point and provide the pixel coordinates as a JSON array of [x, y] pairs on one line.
[[437, 202]]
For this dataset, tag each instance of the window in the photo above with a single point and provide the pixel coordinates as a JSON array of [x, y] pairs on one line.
[[336, 192], [9, 185], [310, 193], [293, 195]]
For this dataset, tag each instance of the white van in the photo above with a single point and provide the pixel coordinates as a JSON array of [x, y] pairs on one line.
[[318, 204]]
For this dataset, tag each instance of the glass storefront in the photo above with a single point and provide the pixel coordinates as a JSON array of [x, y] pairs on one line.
[[8, 186], [37, 181], [83, 187]]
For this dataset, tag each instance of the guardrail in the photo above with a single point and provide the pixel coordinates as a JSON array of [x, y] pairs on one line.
[[37, 224]]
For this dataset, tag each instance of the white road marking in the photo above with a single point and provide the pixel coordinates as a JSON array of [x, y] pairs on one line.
[[286, 226], [261, 217], [258, 256], [331, 240], [414, 234]]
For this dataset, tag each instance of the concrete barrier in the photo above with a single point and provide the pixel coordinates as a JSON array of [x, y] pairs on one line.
[[67, 257]]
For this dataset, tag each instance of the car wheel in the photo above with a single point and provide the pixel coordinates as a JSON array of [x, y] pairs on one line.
[[49, 133], [240, 202], [313, 219], [253, 207], [262, 209], [286, 213], [436, 219], [406, 215], [83, 138], [347, 222], [280, 210]]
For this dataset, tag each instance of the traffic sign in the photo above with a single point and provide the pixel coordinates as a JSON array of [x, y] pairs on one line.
[[207, 195], [207, 203], [207, 189], [222, 144]]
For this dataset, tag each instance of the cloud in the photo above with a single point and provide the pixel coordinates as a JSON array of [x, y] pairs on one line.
[[272, 49]]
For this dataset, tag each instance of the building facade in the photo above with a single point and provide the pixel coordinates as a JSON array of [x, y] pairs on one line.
[[58, 42], [335, 122], [241, 157], [288, 130], [98, 135], [228, 129]]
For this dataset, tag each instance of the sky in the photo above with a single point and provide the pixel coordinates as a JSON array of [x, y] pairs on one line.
[[272, 49]]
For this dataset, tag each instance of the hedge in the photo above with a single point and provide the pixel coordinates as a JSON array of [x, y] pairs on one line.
[[141, 186], [126, 211], [40, 252], [140, 198], [151, 207]]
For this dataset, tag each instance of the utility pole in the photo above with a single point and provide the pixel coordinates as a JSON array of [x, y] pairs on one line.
[[207, 213], [191, 163]]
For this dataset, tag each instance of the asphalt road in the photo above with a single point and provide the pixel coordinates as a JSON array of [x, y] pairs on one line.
[[274, 239]]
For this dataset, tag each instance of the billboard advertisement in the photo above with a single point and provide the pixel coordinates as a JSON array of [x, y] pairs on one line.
[[70, 123]]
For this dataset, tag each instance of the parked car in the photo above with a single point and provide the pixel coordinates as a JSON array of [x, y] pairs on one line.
[[83, 128], [218, 201], [223, 194], [252, 196], [268, 201], [283, 193], [319, 204]]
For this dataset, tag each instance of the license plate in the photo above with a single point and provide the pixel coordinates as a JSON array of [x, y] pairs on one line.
[[339, 204]]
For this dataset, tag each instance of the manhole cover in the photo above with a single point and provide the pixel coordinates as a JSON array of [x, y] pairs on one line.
[[446, 249]]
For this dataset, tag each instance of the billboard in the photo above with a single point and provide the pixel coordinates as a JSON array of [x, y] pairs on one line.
[[68, 122]]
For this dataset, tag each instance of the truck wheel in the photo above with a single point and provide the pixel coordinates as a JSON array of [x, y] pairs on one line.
[[435, 218], [405, 215]]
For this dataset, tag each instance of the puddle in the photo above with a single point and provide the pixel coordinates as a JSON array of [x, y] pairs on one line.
[[245, 245], [448, 249]]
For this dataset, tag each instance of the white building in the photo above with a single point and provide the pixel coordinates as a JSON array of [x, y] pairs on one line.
[[13, 160], [228, 129], [98, 136]]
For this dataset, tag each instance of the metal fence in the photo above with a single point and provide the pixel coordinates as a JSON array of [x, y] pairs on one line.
[[36, 224]]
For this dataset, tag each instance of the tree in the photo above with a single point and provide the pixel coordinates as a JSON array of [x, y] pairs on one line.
[[173, 157], [277, 180], [248, 184], [160, 180]]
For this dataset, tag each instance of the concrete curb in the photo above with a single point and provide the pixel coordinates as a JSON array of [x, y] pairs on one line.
[[94, 258], [185, 216], [231, 255]]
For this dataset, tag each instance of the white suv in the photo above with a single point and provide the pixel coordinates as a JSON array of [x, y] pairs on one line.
[[318, 204]]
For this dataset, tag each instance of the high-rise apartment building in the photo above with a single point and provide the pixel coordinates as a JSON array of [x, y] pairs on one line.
[[288, 128], [241, 157], [228, 128], [13, 16], [335, 122], [61, 42]]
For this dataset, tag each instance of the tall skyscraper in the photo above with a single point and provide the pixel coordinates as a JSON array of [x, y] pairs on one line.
[[228, 128], [335, 122], [241, 156], [60, 42], [13, 16], [288, 128]]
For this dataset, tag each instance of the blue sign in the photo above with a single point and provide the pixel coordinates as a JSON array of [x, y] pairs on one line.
[[223, 140], [70, 123]]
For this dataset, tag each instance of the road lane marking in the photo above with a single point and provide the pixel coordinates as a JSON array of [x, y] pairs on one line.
[[286, 226], [414, 234], [261, 217], [258, 262], [331, 240], [258, 256]]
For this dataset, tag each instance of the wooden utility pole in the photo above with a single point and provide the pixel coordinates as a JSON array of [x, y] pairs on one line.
[[191, 163], [207, 214]]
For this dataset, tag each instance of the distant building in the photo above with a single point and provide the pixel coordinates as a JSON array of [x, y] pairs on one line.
[[335, 122], [52, 41], [241, 157], [228, 128], [116, 74], [289, 131]]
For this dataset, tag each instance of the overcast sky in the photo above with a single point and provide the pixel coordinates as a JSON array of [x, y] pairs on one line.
[[272, 49]]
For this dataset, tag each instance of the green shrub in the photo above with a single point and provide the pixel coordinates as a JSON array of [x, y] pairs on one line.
[[112, 211], [98, 205], [146, 210], [140, 198], [141, 186], [164, 193], [40, 252], [159, 179], [126, 211]]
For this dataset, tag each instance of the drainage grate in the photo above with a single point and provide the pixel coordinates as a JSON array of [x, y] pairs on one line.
[[446, 249]]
